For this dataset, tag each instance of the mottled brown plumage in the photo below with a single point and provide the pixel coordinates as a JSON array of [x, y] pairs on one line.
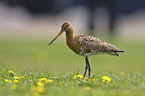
[[86, 45]]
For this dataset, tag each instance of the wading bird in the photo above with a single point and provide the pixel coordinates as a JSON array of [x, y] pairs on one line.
[[86, 45]]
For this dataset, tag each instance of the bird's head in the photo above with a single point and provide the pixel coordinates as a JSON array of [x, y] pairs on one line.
[[66, 26]]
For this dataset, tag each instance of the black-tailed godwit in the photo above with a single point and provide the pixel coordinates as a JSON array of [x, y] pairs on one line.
[[86, 45]]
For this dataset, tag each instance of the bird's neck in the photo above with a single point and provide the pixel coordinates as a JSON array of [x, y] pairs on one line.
[[70, 39], [70, 35]]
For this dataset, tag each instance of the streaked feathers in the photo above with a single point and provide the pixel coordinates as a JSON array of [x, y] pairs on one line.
[[93, 45]]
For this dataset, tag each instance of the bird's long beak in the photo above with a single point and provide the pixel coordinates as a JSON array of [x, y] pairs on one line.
[[56, 36]]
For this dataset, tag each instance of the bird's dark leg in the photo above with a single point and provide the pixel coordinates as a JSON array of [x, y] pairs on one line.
[[85, 67], [89, 68]]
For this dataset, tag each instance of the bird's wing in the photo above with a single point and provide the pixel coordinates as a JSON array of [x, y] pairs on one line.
[[91, 43], [94, 44]]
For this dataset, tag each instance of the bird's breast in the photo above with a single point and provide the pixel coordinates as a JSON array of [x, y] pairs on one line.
[[74, 45], [79, 48]]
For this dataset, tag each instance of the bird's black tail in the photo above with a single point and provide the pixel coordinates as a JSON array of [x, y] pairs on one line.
[[117, 50]]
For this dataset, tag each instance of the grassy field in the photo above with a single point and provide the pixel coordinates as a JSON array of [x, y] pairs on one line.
[[42, 70]]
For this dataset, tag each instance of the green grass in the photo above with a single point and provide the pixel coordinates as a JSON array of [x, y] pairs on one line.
[[33, 59]]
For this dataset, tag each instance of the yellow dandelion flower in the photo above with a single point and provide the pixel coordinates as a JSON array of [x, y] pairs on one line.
[[40, 84], [93, 80], [122, 73], [14, 86], [43, 79], [11, 72], [78, 76], [75, 77], [106, 78], [86, 88], [22, 77], [6, 80], [86, 78], [16, 77], [15, 81], [103, 80], [41, 89], [38, 89], [49, 80]]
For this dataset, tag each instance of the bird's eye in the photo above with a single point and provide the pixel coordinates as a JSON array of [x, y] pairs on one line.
[[66, 26]]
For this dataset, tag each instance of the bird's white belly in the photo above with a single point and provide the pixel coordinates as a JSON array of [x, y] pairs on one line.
[[84, 53]]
